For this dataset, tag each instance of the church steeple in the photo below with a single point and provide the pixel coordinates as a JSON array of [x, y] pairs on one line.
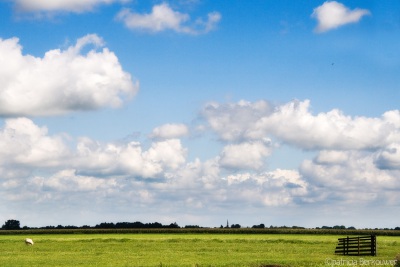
[[227, 224]]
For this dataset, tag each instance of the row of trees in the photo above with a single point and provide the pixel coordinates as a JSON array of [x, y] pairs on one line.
[[15, 225], [121, 225]]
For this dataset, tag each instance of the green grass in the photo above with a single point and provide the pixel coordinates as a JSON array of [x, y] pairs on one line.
[[181, 250]]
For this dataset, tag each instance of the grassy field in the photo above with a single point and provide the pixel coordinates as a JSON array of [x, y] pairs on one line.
[[185, 250]]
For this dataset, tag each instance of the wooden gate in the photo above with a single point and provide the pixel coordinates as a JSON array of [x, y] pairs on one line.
[[357, 246]]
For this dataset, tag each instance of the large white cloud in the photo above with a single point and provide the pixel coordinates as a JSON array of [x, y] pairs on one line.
[[331, 15], [294, 124], [76, 6], [163, 17], [62, 81]]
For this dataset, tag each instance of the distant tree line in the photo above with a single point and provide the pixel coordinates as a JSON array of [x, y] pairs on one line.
[[15, 225], [337, 227], [353, 228], [128, 225], [262, 226]]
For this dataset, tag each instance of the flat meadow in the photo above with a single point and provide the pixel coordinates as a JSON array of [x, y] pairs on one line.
[[186, 249]]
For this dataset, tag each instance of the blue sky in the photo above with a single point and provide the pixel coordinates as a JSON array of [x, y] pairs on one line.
[[196, 111]]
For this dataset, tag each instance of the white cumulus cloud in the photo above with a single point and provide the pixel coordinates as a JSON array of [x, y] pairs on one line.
[[25, 146], [163, 17], [62, 81], [331, 15], [294, 124], [130, 159]]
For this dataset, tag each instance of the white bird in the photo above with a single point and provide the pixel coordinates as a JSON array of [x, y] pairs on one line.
[[29, 241]]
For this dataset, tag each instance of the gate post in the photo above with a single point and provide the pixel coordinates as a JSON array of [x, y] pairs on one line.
[[373, 245]]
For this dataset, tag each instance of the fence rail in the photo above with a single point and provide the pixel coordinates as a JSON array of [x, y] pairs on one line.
[[357, 246]]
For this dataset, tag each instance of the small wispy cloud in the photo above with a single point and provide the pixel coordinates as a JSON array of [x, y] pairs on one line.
[[75, 6], [163, 17], [169, 131], [331, 15]]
